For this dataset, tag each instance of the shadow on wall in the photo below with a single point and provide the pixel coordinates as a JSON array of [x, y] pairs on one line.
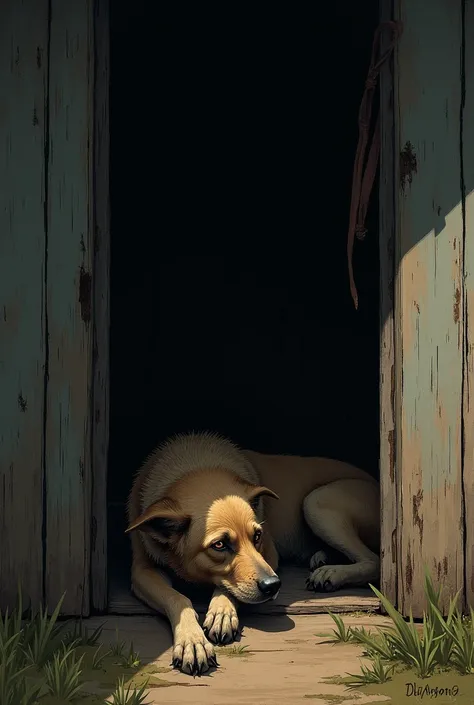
[[435, 256]]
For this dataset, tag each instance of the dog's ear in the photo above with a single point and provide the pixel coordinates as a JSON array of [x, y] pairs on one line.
[[254, 492], [163, 520]]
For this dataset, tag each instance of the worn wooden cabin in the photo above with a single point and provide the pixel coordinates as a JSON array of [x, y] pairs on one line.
[[58, 390]]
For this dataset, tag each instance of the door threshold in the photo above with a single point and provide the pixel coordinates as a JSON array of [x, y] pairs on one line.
[[292, 599]]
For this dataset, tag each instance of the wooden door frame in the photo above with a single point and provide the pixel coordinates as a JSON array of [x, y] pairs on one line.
[[387, 227], [427, 285], [101, 301]]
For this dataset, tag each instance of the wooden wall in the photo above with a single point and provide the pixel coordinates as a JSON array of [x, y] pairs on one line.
[[433, 280], [23, 336], [47, 259]]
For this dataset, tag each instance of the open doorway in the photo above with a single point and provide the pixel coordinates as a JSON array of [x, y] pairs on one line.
[[233, 133]]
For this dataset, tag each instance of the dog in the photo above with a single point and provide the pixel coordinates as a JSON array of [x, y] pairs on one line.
[[196, 507]]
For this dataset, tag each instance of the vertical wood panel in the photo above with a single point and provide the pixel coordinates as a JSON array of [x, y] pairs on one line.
[[388, 487], [70, 256], [23, 65], [430, 299], [100, 423], [468, 185]]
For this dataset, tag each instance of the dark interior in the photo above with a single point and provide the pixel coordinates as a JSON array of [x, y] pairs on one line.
[[233, 134]]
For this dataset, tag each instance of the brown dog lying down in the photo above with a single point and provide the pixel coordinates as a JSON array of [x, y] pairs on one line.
[[196, 507]]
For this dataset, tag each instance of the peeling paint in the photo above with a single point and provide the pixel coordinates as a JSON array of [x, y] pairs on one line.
[[408, 165], [85, 294], [391, 446], [417, 519], [392, 389], [93, 532], [457, 301], [409, 574]]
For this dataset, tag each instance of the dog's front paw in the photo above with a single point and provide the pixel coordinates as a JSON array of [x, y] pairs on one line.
[[192, 652], [221, 624], [326, 578]]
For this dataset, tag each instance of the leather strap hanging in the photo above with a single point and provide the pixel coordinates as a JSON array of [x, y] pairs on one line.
[[363, 180]]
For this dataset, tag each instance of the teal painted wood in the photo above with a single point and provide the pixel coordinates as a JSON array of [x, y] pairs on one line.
[[429, 306], [100, 418], [388, 487], [23, 62], [468, 182], [69, 305]]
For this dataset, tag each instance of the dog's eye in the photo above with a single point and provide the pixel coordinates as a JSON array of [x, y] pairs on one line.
[[257, 536], [219, 546]]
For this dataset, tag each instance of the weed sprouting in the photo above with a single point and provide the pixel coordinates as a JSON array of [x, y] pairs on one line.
[[127, 696], [440, 643], [62, 673], [39, 659]]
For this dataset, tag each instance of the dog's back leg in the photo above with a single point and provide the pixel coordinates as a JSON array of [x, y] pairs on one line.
[[340, 513]]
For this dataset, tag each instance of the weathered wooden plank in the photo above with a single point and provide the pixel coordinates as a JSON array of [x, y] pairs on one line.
[[467, 70], [100, 421], [388, 486], [429, 314], [70, 257], [23, 66], [292, 599]]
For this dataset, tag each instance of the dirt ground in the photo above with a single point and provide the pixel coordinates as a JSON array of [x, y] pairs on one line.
[[284, 661]]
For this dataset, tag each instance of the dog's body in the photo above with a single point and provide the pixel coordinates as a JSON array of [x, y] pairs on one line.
[[196, 507]]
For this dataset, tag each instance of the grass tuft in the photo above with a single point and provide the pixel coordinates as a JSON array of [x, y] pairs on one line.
[[80, 635], [132, 659], [441, 643], [39, 659], [379, 673], [127, 696], [62, 674], [118, 648], [341, 634]]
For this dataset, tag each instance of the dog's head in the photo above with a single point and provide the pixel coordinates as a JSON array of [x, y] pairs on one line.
[[214, 536]]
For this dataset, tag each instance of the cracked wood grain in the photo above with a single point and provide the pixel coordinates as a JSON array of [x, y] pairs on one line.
[[388, 487], [429, 281], [69, 291], [22, 322], [100, 417], [468, 188]]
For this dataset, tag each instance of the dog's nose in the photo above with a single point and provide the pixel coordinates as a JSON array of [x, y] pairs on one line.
[[269, 586]]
